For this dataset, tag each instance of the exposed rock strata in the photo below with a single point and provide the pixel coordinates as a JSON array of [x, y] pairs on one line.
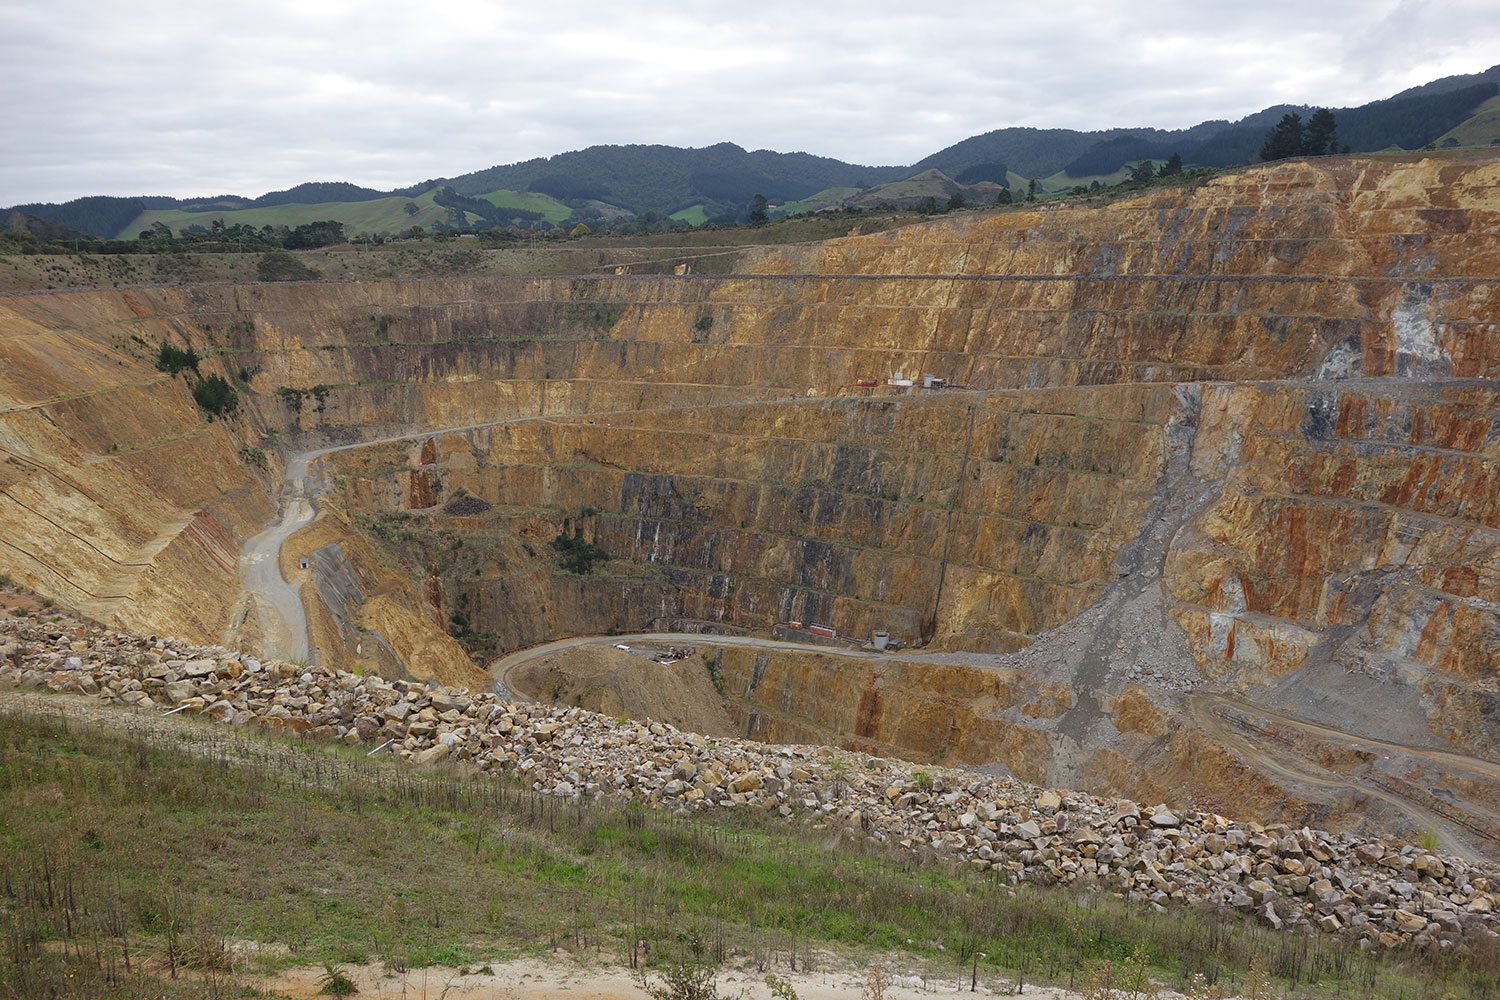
[[850, 512], [1318, 339]]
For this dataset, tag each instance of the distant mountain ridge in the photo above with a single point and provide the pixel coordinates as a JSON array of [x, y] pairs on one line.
[[717, 182], [1410, 120], [665, 179]]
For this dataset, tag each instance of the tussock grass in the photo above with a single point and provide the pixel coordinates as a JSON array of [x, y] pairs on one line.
[[130, 857]]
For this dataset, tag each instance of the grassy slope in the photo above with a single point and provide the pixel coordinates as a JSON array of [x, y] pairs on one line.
[[381, 215], [197, 827], [824, 198], [1481, 128], [552, 210], [928, 184], [1062, 182], [407, 259], [697, 215], [797, 229]]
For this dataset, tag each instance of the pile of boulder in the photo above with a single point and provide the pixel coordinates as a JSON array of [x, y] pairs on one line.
[[1385, 893]]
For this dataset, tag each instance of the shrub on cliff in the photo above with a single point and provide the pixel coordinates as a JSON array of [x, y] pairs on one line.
[[215, 396], [175, 359], [578, 556], [278, 265]]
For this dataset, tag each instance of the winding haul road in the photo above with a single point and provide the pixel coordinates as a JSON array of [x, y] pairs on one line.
[[284, 628], [283, 620], [1472, 830], [502, 668], [277, 601]]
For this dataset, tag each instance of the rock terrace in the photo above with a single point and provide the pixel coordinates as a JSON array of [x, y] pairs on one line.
[[1239, 436]]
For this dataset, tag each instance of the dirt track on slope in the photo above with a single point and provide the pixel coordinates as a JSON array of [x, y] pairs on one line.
[[1471, 831], [1468, 828]]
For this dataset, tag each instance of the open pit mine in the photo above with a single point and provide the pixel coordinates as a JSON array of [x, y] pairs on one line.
[[1206, 512]]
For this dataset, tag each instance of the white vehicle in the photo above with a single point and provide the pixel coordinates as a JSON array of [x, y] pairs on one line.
[[621, 645]]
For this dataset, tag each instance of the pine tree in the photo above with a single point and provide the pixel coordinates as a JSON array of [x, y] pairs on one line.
[[757, 214], [1284, 139], [1172, 167], [1321, 136], [1031, 190]]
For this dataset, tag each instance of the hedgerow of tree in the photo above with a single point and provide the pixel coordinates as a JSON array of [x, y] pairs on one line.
[[1289, 137]]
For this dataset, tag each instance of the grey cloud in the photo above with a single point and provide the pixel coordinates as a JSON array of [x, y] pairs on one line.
[[201, 98]]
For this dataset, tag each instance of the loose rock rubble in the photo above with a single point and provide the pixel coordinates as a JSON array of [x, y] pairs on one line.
[[1387, 895]]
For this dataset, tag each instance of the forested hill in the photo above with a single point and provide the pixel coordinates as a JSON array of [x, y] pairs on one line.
[[1409, 120], [717, 183], [665, 179]]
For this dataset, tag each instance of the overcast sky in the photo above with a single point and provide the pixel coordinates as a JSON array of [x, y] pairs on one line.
[[209, 97]]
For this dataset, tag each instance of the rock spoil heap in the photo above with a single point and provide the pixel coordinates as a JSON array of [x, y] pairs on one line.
[[1388, 895]]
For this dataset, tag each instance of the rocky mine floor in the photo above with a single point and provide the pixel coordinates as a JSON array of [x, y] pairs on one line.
[[1386, 894]]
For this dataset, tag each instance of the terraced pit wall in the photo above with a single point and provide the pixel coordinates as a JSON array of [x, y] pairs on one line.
[[1291, 360]]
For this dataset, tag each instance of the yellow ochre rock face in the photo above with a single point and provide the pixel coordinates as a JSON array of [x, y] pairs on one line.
[[1218, 459]]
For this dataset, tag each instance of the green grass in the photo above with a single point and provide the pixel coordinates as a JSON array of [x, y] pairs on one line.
[[697, 215], [927, 184], [199, 833], [796, 229], [814, 202], [1060, 181], [1480, 129], [552, 210], [380, 215]]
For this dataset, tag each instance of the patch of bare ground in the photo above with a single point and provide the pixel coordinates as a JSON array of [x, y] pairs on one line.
[[631, 683], [563, 978]]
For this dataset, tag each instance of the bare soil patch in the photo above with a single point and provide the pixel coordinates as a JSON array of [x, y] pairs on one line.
[[620, 683]]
